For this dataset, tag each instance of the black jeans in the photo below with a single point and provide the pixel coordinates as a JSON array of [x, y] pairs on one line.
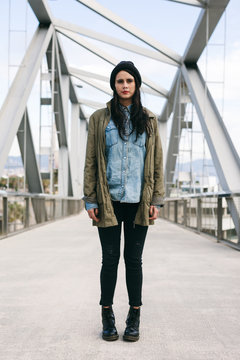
[[134, 236]]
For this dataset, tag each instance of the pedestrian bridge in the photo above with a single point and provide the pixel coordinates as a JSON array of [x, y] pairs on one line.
[[50, 294], [50, 261]]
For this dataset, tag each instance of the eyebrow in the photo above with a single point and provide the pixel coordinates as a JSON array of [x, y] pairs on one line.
[[123, 79]]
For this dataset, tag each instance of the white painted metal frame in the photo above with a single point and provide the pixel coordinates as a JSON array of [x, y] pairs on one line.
[[91, 103], [92, 83], [224, 155], [87, 76], [15, 104], [28, 154], [117, 20], [105, 56], [197, 3], [114, 41]]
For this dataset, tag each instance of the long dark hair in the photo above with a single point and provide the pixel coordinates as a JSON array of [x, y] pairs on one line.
[[139, 117]]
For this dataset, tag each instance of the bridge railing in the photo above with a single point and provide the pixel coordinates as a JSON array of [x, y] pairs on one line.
[[19, 211], [207, 212]]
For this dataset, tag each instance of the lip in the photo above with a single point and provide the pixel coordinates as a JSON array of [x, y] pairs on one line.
[[125, 92]]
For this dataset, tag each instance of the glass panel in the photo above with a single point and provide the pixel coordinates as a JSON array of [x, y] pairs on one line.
[[1, 216], [32, 220], [16, 214], [209, 216], [180, 212], [49, 203], [228, 227], [171, 211], [58, 209]]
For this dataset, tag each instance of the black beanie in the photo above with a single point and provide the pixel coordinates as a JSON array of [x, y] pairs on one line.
[[126, 66]]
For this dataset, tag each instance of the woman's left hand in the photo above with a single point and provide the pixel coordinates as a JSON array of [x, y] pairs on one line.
[[153, 212]]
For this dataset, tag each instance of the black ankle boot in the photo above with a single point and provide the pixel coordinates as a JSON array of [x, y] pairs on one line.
[[133, 320], [109, 332]]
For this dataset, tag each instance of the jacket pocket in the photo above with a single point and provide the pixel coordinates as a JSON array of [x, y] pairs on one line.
[[111, 133]]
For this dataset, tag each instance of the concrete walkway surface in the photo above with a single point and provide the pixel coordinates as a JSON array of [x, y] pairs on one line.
[[49, 284]]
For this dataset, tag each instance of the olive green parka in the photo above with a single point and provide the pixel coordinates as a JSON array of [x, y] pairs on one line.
[[95, 181]]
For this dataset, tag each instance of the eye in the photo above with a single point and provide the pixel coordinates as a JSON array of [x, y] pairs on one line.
[[129, 80], [120, 81]]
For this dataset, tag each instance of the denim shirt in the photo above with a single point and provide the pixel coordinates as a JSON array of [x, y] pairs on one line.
[[125, 162]]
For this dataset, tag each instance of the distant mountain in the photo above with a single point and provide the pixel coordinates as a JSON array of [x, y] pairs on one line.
[[198, 167], [15, 162]]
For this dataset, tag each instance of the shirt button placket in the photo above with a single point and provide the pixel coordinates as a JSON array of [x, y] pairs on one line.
[[124, 167], [124, 158]]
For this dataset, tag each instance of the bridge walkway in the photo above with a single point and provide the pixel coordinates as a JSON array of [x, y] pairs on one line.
[[50, 292]]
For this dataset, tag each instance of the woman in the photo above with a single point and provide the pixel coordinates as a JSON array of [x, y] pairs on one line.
[[123, 182]]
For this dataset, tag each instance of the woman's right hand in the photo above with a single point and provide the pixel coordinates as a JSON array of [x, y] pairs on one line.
[[93, 213]]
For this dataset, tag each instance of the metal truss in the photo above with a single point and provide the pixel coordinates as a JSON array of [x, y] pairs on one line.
[[198, 3], [117, 20], [47, 42], [15, 103], [224, 155], [113, 41], [110, 59], [87, 77]]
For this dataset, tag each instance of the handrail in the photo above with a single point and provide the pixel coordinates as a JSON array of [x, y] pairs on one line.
[[195, 212], [206, 194], [19, 211], [4, 193]]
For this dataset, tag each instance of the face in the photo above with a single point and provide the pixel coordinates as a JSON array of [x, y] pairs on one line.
[[125, 87]]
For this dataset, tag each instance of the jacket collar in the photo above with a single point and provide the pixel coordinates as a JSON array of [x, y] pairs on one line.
[[109, 106]]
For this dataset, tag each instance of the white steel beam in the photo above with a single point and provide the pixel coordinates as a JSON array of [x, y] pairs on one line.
[[88, 74], [15, 103], [114, 41], [197, 43], [76, 157], [168, 106], [209, 16], [42, 11], [133, 30], [103, 55], [85, 75], [73, 157], [173, 146], [223, 152], [93, 83], [225, 157], [65, 70], [34, 181], [64, 172], [82, 151], [190, 2], [82, 114], [26, 145], [91, 103]]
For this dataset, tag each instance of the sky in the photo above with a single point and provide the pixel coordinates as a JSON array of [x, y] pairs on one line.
[[168, 22]]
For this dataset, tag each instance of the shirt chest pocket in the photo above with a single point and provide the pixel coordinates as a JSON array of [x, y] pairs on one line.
[[111, 133], [141, 140]]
